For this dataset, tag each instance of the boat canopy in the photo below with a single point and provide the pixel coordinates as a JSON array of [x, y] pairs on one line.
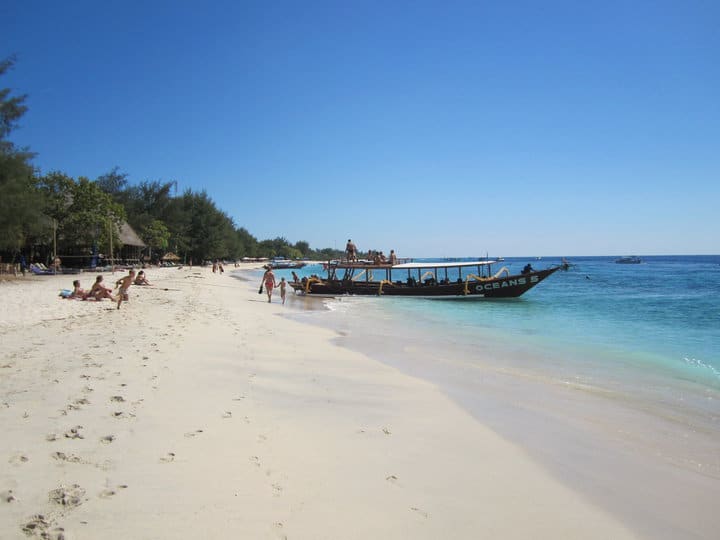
[[456, 264]]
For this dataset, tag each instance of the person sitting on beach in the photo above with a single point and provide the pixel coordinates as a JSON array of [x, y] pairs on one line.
[[268, 280], [98, 291], [141, 278], [124, 284], [77, 291]]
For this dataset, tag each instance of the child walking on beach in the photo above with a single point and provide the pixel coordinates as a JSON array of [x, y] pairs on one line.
[[283, 287], [124, 284]]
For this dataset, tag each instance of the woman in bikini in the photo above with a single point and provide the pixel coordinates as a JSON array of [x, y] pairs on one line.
[[269, 282]]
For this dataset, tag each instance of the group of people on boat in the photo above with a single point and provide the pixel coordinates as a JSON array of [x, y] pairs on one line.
[[373, 257]]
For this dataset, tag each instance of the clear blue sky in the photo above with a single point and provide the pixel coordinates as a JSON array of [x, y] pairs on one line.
[[434, 128]]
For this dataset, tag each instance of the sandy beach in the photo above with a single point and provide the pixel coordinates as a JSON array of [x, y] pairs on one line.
[[198, 411]]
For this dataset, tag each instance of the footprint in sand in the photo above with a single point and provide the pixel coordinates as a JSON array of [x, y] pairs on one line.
[[37, 526], [386, 431], [17, 459], [7, 496], [74, 433], [227, 414], [193, 433], [279, 530], [107, 493], [107, 439], [169, 458], [392, 478], [62, 456], [117, 399], [421, 512], [69, 497], [255, 460]]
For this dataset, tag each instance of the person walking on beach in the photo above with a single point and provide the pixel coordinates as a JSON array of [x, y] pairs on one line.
[[124, 284], [283, 289], [268, 280]]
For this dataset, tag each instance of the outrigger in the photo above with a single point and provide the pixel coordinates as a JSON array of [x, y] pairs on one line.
[[449, 280]]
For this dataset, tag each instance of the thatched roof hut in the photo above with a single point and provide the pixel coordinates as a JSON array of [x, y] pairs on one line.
[[129, 237]]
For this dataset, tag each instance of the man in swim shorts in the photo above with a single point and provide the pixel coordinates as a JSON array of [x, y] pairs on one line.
[[124, 284]]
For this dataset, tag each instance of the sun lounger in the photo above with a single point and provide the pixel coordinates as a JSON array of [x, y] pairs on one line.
[[35, 269]]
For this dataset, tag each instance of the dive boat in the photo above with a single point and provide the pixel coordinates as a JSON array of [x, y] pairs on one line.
[[448, 280]]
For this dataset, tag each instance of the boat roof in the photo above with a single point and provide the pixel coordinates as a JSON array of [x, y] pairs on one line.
[[415, 265], [443, 264]]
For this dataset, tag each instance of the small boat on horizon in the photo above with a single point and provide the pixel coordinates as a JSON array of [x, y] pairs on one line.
[[632, 259], [284, 264], [475, 280]]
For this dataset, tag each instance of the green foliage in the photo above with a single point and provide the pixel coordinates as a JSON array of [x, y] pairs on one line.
[[20, 217], [156, 235], [85, 213], [11, 108]]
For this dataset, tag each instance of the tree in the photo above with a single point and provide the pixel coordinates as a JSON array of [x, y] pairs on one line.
[[156, 236], [20, 216], [303, 247], [84, 214]]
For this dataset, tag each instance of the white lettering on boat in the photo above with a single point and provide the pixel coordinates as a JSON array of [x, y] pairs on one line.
[[507, 283]]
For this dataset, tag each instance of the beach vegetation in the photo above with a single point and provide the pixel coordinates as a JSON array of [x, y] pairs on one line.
[[81, 213], [20, 215], [54, 213]]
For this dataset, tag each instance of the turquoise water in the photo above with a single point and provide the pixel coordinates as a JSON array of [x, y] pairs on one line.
[[661, 317], [607, 374]]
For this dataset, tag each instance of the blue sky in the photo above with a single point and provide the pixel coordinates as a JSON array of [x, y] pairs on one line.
[[432, 128]]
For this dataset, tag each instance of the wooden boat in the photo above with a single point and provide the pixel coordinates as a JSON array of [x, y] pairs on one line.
[[448, 280]]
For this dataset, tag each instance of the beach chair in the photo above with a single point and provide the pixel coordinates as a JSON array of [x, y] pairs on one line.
[[38, 271]]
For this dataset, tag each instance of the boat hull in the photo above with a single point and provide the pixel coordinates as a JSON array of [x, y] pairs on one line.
[[501, 287]]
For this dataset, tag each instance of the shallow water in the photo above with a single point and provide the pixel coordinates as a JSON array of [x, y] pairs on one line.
[[608, 374]]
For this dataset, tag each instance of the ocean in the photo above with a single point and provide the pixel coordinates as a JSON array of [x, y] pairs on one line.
[[608, 374]]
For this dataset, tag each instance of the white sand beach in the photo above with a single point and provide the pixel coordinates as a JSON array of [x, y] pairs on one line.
[[197, 411]]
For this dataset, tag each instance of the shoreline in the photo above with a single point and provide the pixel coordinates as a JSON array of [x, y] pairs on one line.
[[640, 463], [197, 410]]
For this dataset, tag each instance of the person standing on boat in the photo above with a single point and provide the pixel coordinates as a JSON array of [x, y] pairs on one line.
[[351, 251], [393, 257], [268, 280]]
